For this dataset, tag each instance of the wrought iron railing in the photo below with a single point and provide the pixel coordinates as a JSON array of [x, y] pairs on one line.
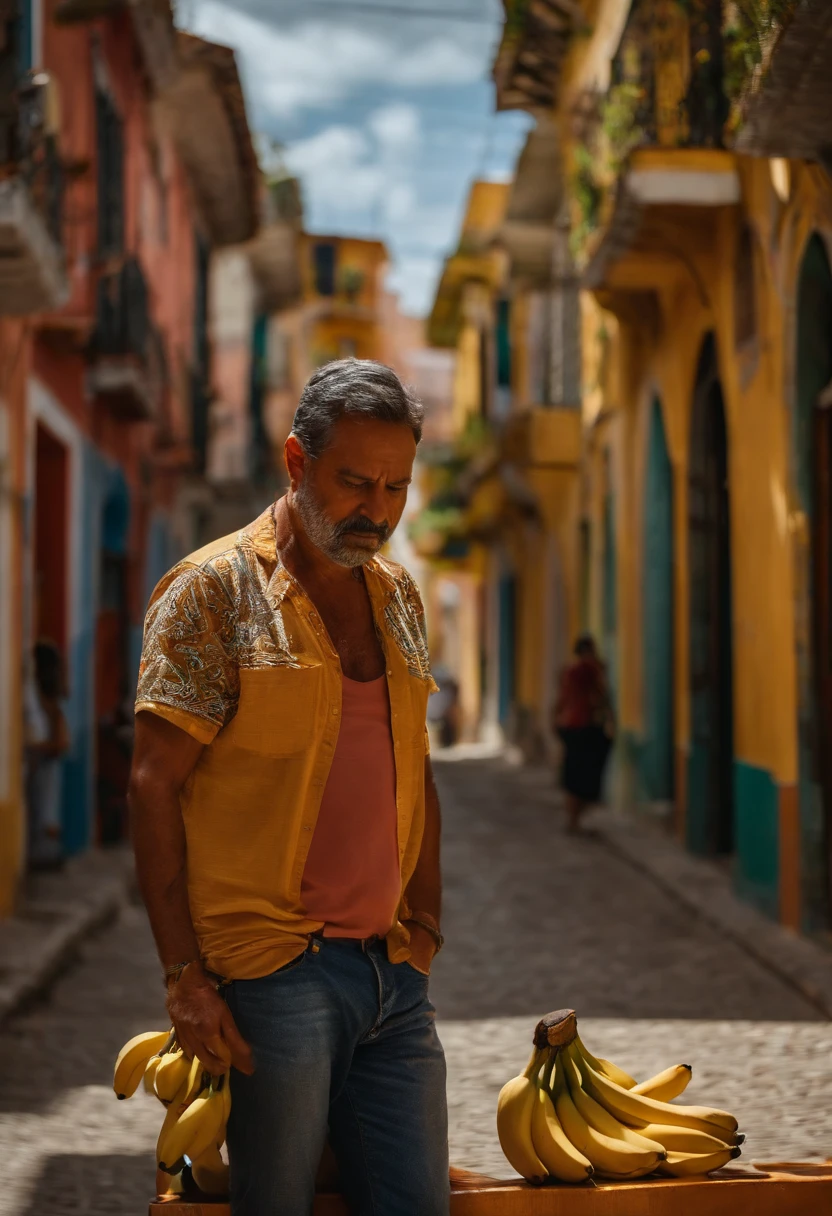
[[31, 140], [122, 321]]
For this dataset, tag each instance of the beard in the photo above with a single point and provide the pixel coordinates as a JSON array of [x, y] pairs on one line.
[[333, 539]]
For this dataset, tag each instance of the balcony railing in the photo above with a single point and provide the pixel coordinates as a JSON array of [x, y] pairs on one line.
[[126, 357], [32, 273]]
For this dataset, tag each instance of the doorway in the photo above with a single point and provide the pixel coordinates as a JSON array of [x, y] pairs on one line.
[[710, 819], [812, 438], [657, 767], [112, 667]]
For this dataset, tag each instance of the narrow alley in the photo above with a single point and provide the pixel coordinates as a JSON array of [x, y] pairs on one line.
[[534, 920]]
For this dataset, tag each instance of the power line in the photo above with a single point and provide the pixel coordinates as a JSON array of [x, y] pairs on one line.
[[394, 10]]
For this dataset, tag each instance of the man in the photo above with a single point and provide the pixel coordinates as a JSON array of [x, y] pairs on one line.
[[286, 824]]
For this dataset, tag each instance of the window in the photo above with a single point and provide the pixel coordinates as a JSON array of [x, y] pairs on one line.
[[324, 259], [110, 156], [504, 343]]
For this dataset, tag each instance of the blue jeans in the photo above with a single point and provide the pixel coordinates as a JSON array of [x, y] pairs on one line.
[[344, 1043]]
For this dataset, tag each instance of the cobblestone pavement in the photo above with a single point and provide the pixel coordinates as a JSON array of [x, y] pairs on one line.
[[534, 921]]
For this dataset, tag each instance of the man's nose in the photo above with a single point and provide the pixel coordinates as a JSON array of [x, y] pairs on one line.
[[374, 505]]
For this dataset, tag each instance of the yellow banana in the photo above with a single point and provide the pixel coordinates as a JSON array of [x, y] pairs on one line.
[[195, 1131], [605, 1067], [171, 1076], [599, 1118], [665, 1085], [225, 1091], [132, 1061], [638, 1110], [149, 1075], [552, 1145], [610, 1158], [210, 1173], [686, 1165], [515, 1107], [686, 1139]]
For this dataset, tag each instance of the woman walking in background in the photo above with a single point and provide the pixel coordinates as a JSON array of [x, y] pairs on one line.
[[584, 720]]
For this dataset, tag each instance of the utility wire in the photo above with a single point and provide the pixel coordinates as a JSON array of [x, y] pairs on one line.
[[386, 10]]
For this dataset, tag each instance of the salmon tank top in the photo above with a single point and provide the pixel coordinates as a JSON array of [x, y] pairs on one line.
[[352, 879]]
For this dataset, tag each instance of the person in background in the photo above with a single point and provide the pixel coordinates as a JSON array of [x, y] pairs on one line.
[[584, 720], [47, 741]]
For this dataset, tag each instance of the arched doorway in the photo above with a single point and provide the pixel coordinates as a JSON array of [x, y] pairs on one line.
[[812, 441], [710, 815], [657, 616]]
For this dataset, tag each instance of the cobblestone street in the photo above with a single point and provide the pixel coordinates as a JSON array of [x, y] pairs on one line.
[[534, 921]]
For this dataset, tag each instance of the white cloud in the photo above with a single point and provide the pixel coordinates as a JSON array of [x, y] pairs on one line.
[[316, 65], [414, 279], [397, 127]]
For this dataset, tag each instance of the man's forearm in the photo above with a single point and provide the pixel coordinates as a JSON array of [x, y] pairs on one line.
[[159, 846]]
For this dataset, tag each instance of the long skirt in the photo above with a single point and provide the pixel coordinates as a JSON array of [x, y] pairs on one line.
[[586, 749]]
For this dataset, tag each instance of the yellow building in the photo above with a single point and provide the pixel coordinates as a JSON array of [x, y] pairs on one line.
[[702, 234], [342, 312]]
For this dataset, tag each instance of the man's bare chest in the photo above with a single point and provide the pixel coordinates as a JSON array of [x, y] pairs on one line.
[[352, 631]]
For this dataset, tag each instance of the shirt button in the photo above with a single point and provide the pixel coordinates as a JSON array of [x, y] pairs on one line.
[[389, 671], [335, 710]]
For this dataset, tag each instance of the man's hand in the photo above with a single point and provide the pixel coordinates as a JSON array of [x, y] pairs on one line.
[[204, 1025], [422, 947]]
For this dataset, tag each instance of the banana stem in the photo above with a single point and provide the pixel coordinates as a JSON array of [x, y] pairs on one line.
[[549, 1068], [533, 1067]]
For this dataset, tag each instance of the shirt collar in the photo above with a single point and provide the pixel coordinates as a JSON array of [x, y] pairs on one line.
[[259, 536]]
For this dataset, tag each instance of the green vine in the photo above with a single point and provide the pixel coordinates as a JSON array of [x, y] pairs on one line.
[[588, 194], [619, 122], [750, 30]]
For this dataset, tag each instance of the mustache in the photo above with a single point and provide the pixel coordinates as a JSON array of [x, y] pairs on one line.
[[360, 523]]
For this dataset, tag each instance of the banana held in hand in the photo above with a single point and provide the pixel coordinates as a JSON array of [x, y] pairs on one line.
[[194, 1132], [686, 1165], [665, 1085], [149, 1075], [515, 1107], [132, 1060], [552, 1145], [171, 1075], [210, 1173]]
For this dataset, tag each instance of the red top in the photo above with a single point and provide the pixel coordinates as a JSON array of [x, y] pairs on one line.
[[352, 880], [583, 694]]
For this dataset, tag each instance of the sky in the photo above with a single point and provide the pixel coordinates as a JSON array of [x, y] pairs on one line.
[[385, 114]]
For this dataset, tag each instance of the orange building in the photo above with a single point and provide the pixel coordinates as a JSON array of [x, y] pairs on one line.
[[111, 200]]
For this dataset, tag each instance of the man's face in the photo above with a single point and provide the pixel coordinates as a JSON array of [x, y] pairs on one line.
[[351, 498]]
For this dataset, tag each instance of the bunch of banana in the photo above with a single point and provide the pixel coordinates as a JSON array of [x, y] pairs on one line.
[[197, 1106], [570, 1116]]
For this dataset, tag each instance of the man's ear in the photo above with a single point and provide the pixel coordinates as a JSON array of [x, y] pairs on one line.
[[295, 458]]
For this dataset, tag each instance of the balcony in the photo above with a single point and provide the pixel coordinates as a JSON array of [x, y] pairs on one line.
[[32, 270], [532, 51], [653, 168], [126, 363]]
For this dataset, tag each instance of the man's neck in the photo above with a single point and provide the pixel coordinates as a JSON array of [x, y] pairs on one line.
[[299, 555]]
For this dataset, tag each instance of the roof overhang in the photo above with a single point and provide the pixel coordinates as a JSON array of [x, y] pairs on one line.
[[208, 115], [530, 56], [664, 196], [789, 114]]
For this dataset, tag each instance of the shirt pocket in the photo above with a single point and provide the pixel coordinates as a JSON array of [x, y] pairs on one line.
[[278, 711]]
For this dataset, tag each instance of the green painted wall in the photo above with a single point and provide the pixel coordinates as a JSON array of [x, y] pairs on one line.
[[756, 811]]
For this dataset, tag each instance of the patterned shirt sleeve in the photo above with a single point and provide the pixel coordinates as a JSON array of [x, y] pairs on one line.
[[188, 672], [416, 610]]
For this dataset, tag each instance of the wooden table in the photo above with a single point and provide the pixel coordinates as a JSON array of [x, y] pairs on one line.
[[784, 1189]]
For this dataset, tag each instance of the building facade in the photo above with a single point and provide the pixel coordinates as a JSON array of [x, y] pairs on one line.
[[111, 210], [668, 233]]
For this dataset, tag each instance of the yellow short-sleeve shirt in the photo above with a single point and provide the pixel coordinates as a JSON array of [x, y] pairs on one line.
[[236, 655]]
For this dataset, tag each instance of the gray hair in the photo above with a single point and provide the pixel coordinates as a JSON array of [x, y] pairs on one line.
[[355, 388]]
